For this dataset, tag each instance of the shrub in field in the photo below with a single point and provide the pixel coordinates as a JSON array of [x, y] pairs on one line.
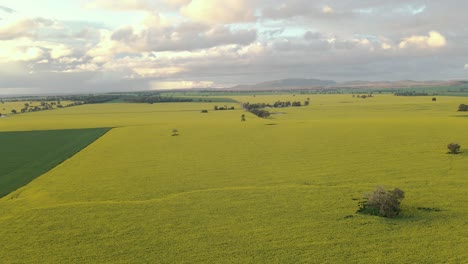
[[382, 203], [463, 107], [175, 132], [454, 148]]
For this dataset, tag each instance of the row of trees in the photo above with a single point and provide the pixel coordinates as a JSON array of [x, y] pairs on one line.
[[255, 109], [411, 93], [277, 104], [43, 106], [364, 96], [221, 108], [260, 112]]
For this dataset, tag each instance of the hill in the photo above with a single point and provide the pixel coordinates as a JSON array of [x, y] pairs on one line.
[[285, 84], [317, 84]]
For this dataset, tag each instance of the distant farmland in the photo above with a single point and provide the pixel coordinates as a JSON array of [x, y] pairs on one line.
[[278, 190]]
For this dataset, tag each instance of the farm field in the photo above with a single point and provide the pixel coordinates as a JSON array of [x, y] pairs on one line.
[[277, 190], [27, 155]]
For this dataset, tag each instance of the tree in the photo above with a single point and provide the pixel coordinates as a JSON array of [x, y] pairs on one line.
[[242, 117], [175, 132], [454, 148], [463, 107], [13, 111], [434, 99], [382, 203]]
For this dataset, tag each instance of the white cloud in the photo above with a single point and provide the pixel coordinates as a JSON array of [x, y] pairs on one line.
[[327, 10], [433, 40], [86, 67], [59, 50], [385, 46], [181, 84], [120, 5], [24, 28], [106, 48], [158, 72], [177, 3], [11, 51], [219, 11]]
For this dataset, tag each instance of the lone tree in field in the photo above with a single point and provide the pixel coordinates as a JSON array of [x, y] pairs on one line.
[[454, 148], [434, 99], [175, 132], [462, 107], [382, 203], [242, 117]]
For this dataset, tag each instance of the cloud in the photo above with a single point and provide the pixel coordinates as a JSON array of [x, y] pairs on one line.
[[106, 48], [6, 9], [157, 85], [59, 50], [11, 53], [121, 5], [385, 46], [187, 36], [158, 72], [24, 28], [433, 40], [327, 10], [196, 43], [29, 50], [219, 11]]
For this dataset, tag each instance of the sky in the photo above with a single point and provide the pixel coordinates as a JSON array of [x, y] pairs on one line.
[[84, 46]]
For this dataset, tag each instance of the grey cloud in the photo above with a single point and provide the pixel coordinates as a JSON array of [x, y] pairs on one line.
[[309, 35], [183, 37], [78, 82], [6, 9], [87, 34]]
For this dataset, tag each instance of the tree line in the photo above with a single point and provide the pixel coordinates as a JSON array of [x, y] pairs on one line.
[[256, 108], [410, 93]]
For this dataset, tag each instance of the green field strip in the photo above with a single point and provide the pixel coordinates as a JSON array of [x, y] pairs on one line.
[[26, 155]]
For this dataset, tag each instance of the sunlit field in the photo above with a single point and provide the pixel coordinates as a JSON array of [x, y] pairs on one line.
[[277, 190]]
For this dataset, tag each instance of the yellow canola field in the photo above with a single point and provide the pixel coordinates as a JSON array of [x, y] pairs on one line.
[[278, 190]]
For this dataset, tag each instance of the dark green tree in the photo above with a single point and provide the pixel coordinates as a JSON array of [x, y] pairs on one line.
[[454, 148]]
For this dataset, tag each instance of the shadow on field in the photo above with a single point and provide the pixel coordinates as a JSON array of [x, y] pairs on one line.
[[409, 213], [419, 213]]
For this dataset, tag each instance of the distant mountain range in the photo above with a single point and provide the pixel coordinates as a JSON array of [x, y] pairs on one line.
[[307, 84], [285, 84]]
